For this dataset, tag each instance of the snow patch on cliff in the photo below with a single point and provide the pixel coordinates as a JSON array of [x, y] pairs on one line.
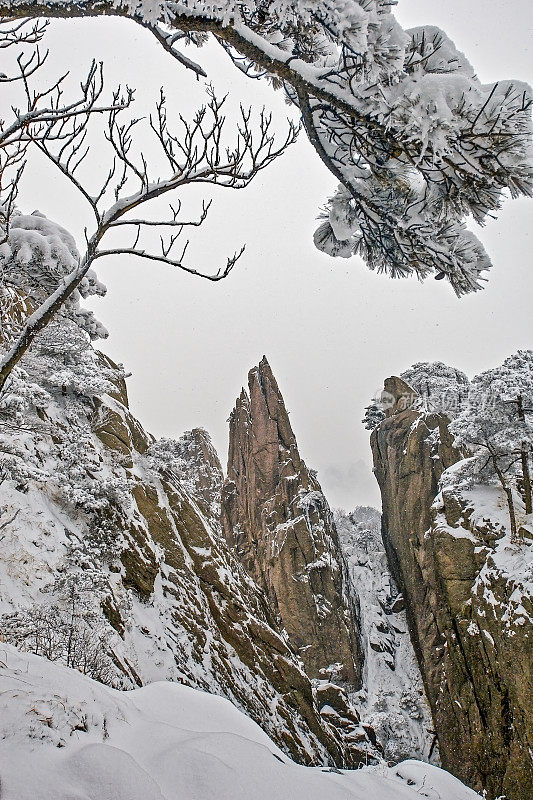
[[392, 699]]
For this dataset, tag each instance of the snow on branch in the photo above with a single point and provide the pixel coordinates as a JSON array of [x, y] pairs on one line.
[[416, 141], [198, 152], [45, 114], [168, 40]]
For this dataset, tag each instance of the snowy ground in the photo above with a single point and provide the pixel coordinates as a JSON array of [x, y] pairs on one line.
[[66, 737]]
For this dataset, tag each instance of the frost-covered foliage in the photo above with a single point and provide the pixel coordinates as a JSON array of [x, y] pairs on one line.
[[425, 145], [166, 455], [499, 415], [49, 409], [63, 359], [437, 388], [415, 140], [500, 405], [37, 253], [52, 393], [68, 628], [441, 388], [374, 416], [35, 256], [193, 460], [497, 426], [14, 309]]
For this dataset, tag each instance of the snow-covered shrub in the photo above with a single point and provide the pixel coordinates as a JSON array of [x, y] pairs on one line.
[[166, 455], [63, 359], [499, 416], [82, 478], [441, 388], [37, 253], [69, 628], [34, 258], [92, 495], [21, 395], [496, 426], [46, 408], [46, 436], [374, 416], [79, 640], [14, 308]]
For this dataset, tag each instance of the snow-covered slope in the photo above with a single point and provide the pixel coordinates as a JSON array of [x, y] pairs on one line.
[[66, 737], [112, 559]]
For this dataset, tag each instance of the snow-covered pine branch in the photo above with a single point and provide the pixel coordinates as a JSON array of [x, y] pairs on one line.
[[417, 143], [442, 389], [437, 387]]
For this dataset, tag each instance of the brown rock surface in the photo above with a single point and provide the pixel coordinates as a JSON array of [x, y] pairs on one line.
[[217, 624], [474, 656], [141, 520], [279, 525], [397, 396], [212, 619]]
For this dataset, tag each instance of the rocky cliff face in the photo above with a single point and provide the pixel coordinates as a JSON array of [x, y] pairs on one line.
[[200, 471], [97, 516], [278, 524], [467, 590]]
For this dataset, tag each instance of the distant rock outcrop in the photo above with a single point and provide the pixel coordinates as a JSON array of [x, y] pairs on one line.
[[467, 600], [201, 471], [279, 526]]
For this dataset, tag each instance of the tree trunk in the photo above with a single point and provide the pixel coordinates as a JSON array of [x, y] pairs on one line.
[[512, 516], [509, 495], [524, 457]]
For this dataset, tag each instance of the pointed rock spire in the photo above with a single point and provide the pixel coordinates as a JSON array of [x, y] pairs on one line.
[[279, 525]]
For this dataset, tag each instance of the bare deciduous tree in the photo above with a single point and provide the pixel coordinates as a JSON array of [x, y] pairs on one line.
[[43, 107], [199, 152]]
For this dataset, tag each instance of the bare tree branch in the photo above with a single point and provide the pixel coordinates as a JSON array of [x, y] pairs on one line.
[[168, 40], [198, 153]]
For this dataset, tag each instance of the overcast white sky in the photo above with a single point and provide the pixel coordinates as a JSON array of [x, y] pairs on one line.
[[331, 330]]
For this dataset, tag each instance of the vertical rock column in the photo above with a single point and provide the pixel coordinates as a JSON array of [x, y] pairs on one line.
[[280, 527], [467, 605]]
